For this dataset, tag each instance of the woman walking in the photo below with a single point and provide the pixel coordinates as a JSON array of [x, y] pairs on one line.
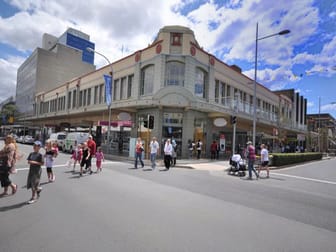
[[7, 163], [138, 153]]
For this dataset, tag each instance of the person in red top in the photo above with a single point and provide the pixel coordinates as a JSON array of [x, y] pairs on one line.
[[250, 155], [92, 148], [213, 149]]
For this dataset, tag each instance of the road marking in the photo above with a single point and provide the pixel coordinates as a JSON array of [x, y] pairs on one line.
[[308, 179]]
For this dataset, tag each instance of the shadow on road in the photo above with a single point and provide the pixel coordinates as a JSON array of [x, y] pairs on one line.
[[18, 205]]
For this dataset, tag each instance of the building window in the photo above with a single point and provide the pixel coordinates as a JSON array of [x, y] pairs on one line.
[[147, 80], [101, 93], [174, 73], [69, 100], [89, 97], [130, 86], [217, 91], [84, 97], [95, 95], [200, 83], [74, 100], [176, 39], [123, 88], [116, 90]]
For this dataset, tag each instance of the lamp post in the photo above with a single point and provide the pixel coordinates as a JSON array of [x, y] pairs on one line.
[[89, 49], [255, 77]]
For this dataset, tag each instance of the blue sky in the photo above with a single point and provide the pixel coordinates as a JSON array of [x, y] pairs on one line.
[[304, 59]]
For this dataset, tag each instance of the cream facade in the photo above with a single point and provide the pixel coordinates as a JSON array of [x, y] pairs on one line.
[[191, 94]]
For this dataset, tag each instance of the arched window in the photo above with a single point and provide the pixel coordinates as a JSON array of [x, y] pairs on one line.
[[147, 80], [200, 83], [174, 74]]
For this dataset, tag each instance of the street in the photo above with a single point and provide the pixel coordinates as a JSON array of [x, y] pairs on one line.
[[123, 209]]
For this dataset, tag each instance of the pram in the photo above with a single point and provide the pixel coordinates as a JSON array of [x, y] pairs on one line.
[[237, 166]]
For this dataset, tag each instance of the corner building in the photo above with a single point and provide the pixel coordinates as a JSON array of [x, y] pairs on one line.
[[191, 94]]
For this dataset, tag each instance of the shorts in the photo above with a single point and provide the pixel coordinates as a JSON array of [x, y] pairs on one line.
[[49, 169], [264, 163]]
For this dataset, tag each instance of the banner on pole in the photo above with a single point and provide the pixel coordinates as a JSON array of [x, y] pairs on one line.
[[108, 89]]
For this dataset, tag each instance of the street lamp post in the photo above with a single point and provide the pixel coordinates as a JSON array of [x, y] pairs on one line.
[[255, 77], [109, 105]]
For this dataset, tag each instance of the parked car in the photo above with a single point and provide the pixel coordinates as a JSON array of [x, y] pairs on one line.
[[28, 139], [20, 139], [58, 138], [72, 138]]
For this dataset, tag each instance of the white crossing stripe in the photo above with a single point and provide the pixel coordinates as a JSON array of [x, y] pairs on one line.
[[304, 178]]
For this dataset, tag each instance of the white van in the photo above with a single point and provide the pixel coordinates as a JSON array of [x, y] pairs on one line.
[[72, 138], [58, 138]]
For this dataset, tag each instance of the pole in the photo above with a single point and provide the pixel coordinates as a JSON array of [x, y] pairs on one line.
[[255, 89], [319, 125]]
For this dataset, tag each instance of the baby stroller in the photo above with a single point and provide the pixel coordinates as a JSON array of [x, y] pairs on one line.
[[237, 166]]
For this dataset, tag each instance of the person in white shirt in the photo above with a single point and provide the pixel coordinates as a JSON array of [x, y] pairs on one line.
[[168, 150], [264, 160], [154, 150]]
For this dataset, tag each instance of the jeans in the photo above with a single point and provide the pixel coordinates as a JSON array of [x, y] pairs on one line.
[[153, 160], [138, 156], [251, 168]]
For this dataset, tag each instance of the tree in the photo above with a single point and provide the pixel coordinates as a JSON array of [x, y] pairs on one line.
[[8, 113]]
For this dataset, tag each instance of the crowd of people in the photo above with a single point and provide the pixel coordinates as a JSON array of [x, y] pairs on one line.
[[9, 154]]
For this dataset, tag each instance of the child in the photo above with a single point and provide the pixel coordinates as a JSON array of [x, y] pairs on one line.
[[49, 155], [99, 159], [77, 155], [35, 161]]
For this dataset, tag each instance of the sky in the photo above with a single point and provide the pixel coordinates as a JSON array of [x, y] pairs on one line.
[[304, 59]]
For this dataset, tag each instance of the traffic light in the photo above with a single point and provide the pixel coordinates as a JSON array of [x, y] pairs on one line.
[[151, 122], [233, 119], [145, 123]]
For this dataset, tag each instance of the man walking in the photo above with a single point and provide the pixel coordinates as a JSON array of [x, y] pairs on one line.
[[168, 150], [250, 155], [154, 149]]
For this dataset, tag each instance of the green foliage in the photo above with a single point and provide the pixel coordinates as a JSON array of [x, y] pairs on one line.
[[280, 159]]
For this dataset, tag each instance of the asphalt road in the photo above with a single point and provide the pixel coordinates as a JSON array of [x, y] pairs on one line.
[[123, 209]]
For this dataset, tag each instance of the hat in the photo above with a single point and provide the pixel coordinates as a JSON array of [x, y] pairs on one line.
[[38, 143], [249, 142]]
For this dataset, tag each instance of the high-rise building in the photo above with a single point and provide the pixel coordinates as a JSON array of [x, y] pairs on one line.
[[58, 61]]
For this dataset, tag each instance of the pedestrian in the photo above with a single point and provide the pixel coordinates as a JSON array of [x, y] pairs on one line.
[[213, 149], [174, 152], [264, 160], [199, 148], [92, 147], [191, 146], [8, 156], [86, 161], [35, 161], [50, 154], [168, 149], [138, 153], [250, 155], [154, 150], [99, 159], [76, 155], [217, 151]]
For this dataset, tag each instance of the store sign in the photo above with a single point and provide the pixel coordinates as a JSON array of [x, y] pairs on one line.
[[220, 122]]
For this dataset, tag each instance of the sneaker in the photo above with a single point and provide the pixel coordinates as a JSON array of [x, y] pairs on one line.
[[31, 201]]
